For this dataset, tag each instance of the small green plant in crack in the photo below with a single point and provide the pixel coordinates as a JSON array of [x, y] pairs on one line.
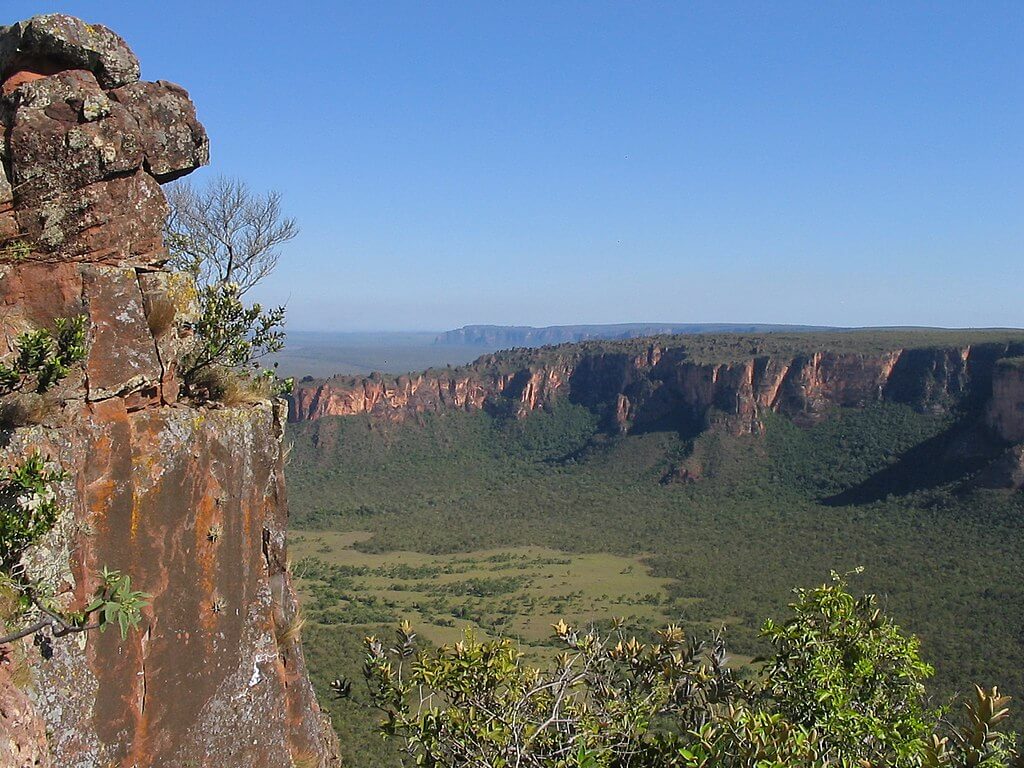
[[214, 533], [28, 511], [15, 250], [117, 603], [42, 358]]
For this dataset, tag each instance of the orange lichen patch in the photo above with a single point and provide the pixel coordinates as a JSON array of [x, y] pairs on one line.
[[206, 556]]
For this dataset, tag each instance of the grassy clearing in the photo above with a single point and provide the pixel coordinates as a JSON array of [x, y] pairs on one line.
[[515, 592]]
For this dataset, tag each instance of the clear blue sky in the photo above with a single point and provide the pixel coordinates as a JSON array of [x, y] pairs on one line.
[[550, 162]]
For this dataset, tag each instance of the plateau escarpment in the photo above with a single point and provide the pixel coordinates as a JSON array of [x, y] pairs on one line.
[[688, 383], [188, 500]]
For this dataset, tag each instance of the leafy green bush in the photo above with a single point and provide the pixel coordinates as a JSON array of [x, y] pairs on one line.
[[844, 688], [28, 506], [844, 669], [229, 334], [42, 358]]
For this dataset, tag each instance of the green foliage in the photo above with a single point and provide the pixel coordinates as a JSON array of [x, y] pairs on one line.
[[28, 506], [767, 513], [117, 603], [601, 704], [844, 689], [41, 358], [230, 334], [15, 250], [336, 653], [227, 238], [844, 669]]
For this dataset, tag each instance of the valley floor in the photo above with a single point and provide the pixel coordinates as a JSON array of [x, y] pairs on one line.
[[467, 520]]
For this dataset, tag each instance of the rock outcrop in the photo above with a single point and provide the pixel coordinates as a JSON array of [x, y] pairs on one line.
[[188, 500], [1005, 417]]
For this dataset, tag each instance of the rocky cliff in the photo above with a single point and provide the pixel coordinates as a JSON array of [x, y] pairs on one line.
[[189, 500], [685, 383]]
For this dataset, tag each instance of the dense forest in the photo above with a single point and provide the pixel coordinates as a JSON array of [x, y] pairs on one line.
[[881, 487]]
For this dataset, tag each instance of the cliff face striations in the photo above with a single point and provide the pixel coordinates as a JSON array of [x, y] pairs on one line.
[[668, 383], [190, 501]]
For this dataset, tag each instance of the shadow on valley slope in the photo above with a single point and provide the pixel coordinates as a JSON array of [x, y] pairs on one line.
[[952, 458]]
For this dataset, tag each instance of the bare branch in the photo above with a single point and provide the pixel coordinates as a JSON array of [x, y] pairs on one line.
[[225, 233]]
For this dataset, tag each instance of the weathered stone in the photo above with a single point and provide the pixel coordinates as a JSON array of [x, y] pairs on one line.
[[122, 355], [22, 730], [115, 221], [65, 133], [175, 141], [69, 43], [204, 681], [33, 294], [1005, 413]]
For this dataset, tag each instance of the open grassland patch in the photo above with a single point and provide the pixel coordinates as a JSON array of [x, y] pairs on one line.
[[514, 592]]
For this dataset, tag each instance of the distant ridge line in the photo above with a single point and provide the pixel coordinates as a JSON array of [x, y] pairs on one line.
[[531, 336]]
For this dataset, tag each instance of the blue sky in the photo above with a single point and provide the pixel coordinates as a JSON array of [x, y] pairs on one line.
[[552, 162]]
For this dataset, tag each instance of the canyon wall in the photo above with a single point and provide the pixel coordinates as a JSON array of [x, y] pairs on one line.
[[662, 386], [189, 500]]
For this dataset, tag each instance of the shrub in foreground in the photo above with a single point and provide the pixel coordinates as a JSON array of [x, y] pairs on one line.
[[844, 687]]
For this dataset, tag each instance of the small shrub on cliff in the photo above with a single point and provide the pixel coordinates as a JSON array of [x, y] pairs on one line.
[[844, 689], [228, 239], [28, 506], [41, 358], [15, 250], [230, 335]]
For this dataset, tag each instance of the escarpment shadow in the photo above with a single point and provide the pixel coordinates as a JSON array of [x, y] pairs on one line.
[[950, 458]]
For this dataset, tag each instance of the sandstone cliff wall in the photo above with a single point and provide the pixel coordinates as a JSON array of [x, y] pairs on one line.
[[662, 386], [189, 500]]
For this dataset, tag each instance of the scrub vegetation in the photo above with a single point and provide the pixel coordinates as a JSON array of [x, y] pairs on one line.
[[875, 487]]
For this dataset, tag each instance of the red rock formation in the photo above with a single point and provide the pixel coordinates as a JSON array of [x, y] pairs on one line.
[[663, 385], [210, 679]]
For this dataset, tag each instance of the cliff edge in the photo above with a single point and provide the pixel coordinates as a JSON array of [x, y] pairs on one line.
[[728, 381], [189, 500]]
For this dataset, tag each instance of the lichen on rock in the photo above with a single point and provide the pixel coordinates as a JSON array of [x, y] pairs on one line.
[[86, 146]]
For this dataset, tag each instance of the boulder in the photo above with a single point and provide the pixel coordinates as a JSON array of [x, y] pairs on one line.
[[59, 41], [174, 141], [65, 133]]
